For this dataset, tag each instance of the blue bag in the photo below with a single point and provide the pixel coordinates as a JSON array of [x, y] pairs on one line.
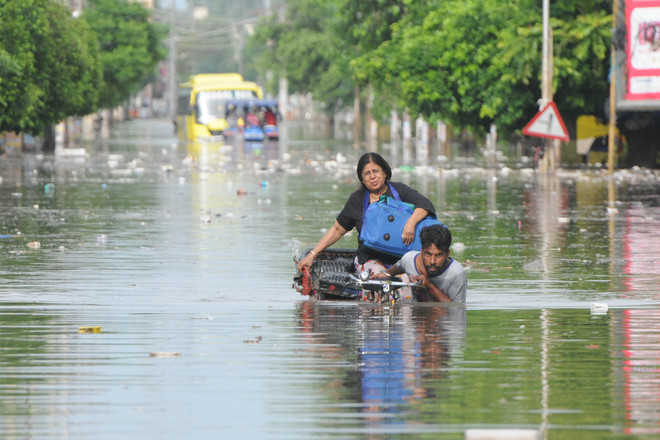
[[383, 222]]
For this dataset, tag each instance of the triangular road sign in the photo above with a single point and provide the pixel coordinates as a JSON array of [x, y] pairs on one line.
[[547, 124]]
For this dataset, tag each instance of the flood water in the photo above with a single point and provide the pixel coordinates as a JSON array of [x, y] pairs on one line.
[[183, 258]]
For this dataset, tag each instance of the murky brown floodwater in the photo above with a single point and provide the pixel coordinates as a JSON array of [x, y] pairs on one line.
[[202, 335]]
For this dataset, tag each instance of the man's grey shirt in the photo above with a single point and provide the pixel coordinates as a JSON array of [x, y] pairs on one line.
[[452, 281]]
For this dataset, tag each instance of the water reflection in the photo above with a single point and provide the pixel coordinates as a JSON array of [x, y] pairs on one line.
[[641, 248], [157, 246], [398, 352], [640, 370]]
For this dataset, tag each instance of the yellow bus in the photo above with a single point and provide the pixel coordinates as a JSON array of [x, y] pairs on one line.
[[201, 108]]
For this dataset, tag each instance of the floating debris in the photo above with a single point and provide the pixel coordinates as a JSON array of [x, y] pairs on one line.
[[253, 341], [502, 434], [598, 308], [34, 245], [458, 247], [164, 354], [90, 329]]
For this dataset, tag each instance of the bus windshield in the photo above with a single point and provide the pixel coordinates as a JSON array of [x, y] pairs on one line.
[[210, 104]]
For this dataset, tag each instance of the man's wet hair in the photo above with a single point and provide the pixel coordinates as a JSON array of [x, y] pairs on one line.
[[438, 235], [378, 160]]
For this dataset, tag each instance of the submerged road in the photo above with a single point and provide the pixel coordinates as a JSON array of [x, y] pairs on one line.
[[145, 292]]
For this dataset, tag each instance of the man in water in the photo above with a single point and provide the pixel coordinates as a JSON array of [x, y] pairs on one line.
[[443, 277]]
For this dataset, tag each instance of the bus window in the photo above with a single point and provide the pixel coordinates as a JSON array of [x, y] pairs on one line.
[[210, 105]]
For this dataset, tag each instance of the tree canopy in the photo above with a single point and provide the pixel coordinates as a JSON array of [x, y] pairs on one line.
[[130, 46], [49, 66], [53, 65], [307, 49], [468, 62]]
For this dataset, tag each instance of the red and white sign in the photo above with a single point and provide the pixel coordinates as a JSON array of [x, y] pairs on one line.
[[547, 124], [643, 49]]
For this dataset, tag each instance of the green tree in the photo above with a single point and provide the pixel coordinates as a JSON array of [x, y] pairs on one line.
[[130, 46], [475, 62], [307, 49], [49, 67]]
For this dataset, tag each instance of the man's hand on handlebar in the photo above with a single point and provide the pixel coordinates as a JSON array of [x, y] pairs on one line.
[[380, 276]]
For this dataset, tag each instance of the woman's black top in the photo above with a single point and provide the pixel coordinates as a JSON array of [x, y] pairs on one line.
[[351, 216]]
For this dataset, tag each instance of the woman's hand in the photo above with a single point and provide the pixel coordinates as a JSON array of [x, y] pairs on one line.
[[328, 239], [408, 234], [307, 261]]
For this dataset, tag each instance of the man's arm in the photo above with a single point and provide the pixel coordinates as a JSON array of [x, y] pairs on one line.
[[436, 293], [393, 270]]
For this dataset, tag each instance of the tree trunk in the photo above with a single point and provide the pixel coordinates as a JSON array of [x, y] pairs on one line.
[[48, 145], [331, 125], [356, 118]]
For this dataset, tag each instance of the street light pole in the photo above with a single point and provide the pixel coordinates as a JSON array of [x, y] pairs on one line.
[[172, 64]]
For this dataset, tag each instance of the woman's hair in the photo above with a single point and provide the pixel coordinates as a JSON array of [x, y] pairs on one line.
[[378, 160]]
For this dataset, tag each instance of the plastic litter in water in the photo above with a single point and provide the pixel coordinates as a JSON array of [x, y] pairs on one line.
[[49, 188], [598, 308], [458, 247], [502, 434], [164, 354], [34, 245]]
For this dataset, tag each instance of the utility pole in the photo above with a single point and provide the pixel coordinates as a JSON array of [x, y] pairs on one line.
[[172, 64], [611, 141], [546, 80]]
